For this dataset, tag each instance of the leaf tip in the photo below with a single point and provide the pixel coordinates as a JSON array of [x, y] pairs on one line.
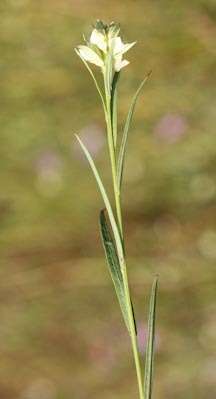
[[77, 137]]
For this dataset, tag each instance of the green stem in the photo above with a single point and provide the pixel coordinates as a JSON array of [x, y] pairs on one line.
[[117, 195], [115, 185], [132, 331], [112, 154]]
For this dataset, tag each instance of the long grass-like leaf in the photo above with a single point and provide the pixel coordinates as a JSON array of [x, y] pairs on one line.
[[122, 149], [94, 79], [104, 195], [114, 266], [150, 343], [114, 107]]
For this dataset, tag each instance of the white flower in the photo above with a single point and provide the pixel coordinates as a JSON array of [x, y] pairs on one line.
[[105, 44], [119, 47], [99, 40], [119, 63], [89, 55]]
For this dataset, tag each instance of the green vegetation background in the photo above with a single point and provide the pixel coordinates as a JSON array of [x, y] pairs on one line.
[[61, 333]]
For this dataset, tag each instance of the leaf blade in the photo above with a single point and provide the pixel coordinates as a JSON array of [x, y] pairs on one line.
[[115, 230], [113, 265], [114, 107], [148, 378], [94, 79], [104, 195], [121, 157]]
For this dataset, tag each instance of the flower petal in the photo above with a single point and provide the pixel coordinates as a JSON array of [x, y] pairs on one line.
[[127, 47], [119, 47], [99, 40], [119, 63], [90, 56]]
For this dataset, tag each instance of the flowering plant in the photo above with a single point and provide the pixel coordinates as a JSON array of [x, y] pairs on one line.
[[104, 43], [105, 49]]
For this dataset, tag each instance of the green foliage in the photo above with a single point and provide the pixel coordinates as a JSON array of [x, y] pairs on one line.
[[121, 157], [94, 79], [114, 266], [105, 199], [114, 114], [149, 362]]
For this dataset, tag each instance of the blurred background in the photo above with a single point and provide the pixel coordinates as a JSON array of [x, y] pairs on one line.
[[61, 332]]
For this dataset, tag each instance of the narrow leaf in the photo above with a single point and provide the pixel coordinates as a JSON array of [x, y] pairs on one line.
[[134, 317], [104, 195], [115, 230], [94, 79], [121, 157], [114, 107], [114, 266], [150, 343]]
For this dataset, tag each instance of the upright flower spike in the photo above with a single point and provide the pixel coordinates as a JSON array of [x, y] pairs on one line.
[[105, 49], [105, 46]]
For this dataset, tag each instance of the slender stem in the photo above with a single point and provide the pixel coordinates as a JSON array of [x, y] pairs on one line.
[[132, 331], [117, 195], [112, 154]]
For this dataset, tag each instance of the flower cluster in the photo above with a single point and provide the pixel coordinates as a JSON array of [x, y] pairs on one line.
[[105, 46]]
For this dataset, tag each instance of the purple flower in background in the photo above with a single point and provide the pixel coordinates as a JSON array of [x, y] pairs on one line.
[[48, 165], [171, 127], [142, 336], [101, 354], [93, 137]]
